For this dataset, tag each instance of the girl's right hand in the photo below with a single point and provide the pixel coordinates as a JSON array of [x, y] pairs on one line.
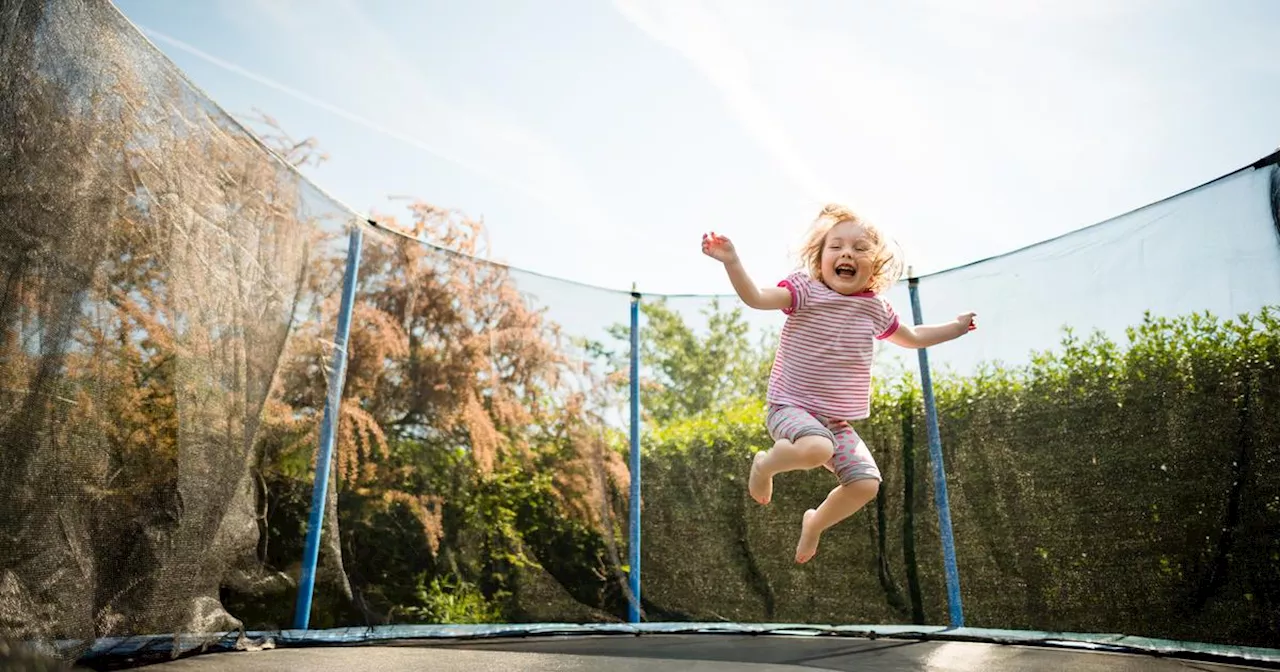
[[718, 248]]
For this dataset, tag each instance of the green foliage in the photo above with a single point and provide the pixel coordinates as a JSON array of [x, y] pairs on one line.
[[736, 430], [450, 600], [495, 532], [684, 373]]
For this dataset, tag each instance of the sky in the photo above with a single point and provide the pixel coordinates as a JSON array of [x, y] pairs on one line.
[[599, 139]]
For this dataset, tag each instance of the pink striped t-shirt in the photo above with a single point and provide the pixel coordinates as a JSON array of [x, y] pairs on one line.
[[825, 352]]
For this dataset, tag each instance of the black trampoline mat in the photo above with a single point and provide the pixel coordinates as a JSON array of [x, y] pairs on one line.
[[686, 653]]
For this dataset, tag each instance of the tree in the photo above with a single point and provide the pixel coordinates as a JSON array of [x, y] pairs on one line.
[[456, 409], [683, 372]]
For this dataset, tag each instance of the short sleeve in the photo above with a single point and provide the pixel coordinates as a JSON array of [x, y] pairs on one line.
[[886, 319], [798, 284]]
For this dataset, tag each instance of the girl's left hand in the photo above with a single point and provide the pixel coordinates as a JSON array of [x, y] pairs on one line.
[[969, 321]]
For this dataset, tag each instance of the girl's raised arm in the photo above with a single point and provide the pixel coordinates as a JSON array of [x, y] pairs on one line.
[[721, 249]]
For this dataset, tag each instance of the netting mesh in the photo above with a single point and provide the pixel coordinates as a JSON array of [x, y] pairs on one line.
[[167, 316], [156, 261], [1109, 435], [1118, 472], [479, 462]]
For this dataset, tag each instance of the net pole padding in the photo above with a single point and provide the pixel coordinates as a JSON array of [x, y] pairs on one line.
[[633, 611], [328, 429], [955, 609]]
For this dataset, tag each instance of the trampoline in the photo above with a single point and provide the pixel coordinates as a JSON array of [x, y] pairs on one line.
[[685, 648], [194, 477], [674, 653]]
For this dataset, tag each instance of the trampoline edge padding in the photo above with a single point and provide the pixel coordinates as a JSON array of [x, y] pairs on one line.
[[235, 641]]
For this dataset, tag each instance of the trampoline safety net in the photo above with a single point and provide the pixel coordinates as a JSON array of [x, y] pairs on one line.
[[171, 290]]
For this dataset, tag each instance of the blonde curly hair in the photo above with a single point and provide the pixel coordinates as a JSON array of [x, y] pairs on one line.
[[886, 263]]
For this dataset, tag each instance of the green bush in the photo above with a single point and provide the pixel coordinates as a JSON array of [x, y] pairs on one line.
[[450, 600]]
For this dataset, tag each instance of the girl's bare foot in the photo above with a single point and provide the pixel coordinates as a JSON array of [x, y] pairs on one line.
[[758, 484], [808, 544]]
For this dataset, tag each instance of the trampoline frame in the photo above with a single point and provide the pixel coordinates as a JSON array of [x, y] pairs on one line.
[[106, 650]]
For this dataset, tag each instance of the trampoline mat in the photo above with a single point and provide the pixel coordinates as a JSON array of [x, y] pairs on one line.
[[683, 653]]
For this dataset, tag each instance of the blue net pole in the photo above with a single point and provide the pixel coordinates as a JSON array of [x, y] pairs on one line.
[[634, 610], [311, 552], [954, 608]]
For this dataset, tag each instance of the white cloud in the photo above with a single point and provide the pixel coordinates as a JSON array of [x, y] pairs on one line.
[[1052, 12], [843, 124], [698, 33]]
